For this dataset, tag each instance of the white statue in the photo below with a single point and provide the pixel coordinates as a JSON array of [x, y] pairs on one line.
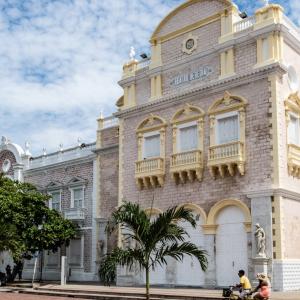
[[4, 140], [132, 53], [260, 238], [266, 2]]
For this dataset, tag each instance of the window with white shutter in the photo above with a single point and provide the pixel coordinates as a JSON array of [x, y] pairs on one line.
[[151, 147], [227, 129], [188, 138]]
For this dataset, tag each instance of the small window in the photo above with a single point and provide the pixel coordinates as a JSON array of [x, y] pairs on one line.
[[78, 196], [151, 146], [227, 129], [188, 138], [55, 201], [293, 130]]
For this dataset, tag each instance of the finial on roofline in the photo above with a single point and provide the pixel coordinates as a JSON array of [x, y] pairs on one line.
[[132, 53], [266, 2]]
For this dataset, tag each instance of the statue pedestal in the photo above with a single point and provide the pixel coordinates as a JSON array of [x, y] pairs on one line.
[[260, 265]]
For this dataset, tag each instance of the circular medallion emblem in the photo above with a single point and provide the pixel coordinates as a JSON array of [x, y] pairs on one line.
[[190, 43], [6, 165]]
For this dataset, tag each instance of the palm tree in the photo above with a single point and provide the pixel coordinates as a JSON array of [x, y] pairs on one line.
[[154, 239]]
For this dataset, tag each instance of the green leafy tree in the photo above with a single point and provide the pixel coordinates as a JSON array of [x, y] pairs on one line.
[[154, 239], [23, 210]]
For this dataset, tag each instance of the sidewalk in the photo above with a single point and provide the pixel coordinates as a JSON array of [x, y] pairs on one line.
[[174, 293]]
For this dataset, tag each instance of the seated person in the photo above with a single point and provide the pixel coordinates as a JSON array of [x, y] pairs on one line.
[[262, 291], [244, 285]]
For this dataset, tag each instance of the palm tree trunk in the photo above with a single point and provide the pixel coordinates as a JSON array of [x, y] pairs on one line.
[[147, 284]]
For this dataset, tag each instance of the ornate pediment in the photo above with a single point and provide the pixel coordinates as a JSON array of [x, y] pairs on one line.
[[228, 102], [53, 185], [187, 113], [77, 181], [152, 123]]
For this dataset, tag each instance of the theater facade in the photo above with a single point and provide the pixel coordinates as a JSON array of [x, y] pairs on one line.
[[211, 122]]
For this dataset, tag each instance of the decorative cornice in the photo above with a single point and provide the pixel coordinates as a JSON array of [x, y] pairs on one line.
[[274, 192], [59, 164], [241, 38], [287, 194], [207, 89]]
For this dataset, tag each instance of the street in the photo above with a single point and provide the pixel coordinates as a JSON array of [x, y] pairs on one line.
[[16, 296]]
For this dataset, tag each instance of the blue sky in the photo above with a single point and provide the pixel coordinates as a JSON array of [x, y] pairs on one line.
[[60, 61]]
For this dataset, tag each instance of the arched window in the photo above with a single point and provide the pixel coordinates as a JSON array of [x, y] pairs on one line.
[[187, 157], [150, 167], [227, 136]]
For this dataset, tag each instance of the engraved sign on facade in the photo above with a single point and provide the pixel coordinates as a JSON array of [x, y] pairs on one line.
[[200, 74]]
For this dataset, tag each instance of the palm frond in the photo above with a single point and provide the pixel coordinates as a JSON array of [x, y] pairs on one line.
[[119, 257], [177, 251], [164, 227], [131, 217]]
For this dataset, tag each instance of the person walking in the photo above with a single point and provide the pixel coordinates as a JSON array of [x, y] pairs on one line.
[[19, 269], [8, 273]]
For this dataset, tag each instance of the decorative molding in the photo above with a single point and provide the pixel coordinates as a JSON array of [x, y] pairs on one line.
[[195, 208], [274, 192], [77, 181], [187, 166], [189, 44], [207, 89], [227, 158], [61, 164], [150, 172], [214, 211], [156, 38], [209, 229], [53, 186]]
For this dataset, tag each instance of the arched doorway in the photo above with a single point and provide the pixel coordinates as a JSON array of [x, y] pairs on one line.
[[159, 275], [231, 245], [189, 272]]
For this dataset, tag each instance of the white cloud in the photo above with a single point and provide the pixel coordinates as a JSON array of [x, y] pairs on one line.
[[60, 62]]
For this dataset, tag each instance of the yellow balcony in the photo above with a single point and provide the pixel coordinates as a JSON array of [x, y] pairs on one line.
[[294, 160], [150, 172], [186, 166], [226, 158]]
